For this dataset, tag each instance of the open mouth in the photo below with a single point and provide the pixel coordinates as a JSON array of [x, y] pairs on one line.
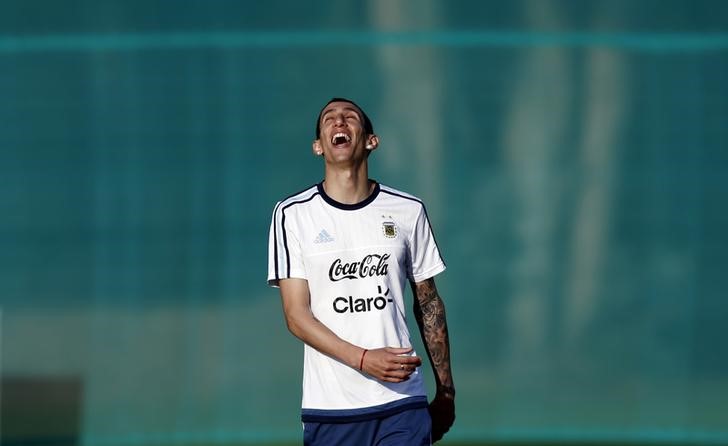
[[340, 138]]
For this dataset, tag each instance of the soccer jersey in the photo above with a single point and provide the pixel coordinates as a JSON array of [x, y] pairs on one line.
[[357, 260]]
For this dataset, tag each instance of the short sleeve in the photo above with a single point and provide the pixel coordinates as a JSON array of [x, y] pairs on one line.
[[426, 260], [284, 250]]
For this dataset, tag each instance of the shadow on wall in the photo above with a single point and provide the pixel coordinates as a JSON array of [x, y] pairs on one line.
[[40, 410]]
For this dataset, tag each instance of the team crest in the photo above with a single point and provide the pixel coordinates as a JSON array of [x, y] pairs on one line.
[[389, 229]]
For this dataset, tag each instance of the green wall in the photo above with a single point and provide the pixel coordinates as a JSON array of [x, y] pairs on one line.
[[572, 154]]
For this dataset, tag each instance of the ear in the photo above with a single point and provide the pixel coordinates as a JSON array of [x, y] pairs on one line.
[[372, 142], [316, 148]]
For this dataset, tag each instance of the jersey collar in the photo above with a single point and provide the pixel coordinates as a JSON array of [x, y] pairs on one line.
[[348, 207]]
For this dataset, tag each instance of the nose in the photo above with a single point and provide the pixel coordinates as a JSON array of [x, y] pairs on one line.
[[339, 120]]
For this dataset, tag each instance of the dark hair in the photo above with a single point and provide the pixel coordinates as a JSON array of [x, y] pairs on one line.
[[368, 127]]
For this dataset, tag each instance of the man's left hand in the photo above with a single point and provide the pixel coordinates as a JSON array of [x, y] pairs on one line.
[[442, 412]]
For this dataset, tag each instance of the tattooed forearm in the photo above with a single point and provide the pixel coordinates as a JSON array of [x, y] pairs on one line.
[[429, 312]]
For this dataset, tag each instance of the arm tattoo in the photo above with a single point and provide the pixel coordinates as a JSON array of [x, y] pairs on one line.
[[429, 312]]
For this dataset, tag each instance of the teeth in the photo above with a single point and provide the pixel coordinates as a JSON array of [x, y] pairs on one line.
[[340, 135]]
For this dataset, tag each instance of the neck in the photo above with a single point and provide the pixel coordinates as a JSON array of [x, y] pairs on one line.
[[348, 185]]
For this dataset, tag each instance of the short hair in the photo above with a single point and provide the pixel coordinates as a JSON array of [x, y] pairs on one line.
[[368, 127]]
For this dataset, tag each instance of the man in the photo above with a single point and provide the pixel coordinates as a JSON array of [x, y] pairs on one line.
[[341, 252]]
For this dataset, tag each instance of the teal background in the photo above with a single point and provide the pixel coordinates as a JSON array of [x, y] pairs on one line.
[[572, 155]]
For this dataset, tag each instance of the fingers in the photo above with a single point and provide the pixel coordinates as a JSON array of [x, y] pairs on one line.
[[398, 350], [442, 413], [396, 375], [402, 369], [391, 364], [402, 356], [437, 436]]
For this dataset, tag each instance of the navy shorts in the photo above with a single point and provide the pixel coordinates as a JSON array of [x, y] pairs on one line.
[[410, 427]]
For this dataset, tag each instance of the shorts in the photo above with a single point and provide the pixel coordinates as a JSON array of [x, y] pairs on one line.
[[410, 427]]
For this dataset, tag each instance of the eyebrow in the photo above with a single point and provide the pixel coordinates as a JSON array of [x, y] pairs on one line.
[[346, 108]]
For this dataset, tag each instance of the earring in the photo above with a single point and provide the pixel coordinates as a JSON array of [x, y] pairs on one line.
[[369, 146]]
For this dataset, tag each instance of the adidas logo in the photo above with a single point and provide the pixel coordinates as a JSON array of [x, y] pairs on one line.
[[323, 237]]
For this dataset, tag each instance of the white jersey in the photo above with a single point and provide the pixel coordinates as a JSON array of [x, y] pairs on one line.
[[357, 260]]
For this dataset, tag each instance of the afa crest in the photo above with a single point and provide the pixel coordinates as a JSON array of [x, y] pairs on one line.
[[389, 229]]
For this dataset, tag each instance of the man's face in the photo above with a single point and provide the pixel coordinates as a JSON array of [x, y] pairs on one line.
[[342, 131]]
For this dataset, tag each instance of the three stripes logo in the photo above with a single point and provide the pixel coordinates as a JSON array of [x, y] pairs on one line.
[[324, 237]]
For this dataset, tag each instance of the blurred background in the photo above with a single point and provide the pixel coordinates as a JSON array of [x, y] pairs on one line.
[[572, 154]]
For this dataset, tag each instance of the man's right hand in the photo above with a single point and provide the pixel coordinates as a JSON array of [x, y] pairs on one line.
[[390, 364]]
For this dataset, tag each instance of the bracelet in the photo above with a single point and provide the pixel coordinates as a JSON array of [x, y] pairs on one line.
[[447, 390], [361, 361]]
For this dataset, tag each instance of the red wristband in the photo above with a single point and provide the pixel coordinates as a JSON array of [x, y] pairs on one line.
[[361, 362]]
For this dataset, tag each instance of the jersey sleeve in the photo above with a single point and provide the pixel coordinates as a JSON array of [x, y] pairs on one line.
[[284, 250], [426, 260]]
